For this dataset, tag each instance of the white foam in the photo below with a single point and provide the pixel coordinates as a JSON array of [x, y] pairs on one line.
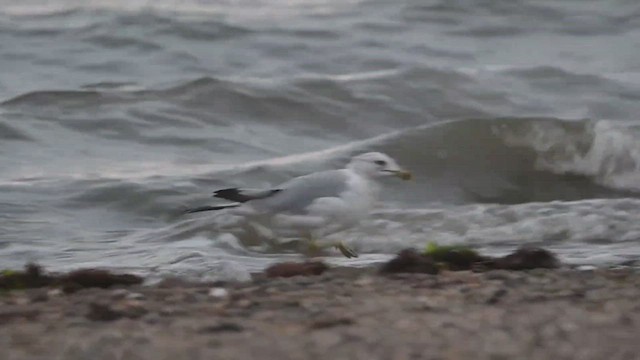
[[609, 224], [606, 150]]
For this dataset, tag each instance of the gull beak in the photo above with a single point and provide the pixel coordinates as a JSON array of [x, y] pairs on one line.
[[404, 175]]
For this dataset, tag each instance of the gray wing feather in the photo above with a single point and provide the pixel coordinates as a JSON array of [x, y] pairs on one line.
[[298, 193]]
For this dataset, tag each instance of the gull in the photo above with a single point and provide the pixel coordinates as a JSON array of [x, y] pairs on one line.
[[318, 204]]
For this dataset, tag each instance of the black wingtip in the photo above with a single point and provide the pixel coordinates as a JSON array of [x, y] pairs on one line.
[[225, 193], [209, 208], [241, 196]]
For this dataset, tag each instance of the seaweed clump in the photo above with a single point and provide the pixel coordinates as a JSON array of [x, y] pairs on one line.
[[96, 278], [410, 261], [33, 276], [527, 258], [290, 269], [459, 257], [454, 257]]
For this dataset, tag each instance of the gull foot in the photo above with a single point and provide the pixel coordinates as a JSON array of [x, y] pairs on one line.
[[345, 250], [313, 249]]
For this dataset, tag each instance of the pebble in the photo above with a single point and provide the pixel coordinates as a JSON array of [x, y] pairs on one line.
[[244, 303], [222, 327], [364, 281], [133, 308], [134, 296], [330, 322], [99, 311], [172, 311], [425, 303], [39, 295], [21, 301], [119, 293], [102, 312], [219, 293], [54, 292], [326, 339], [586, 268]]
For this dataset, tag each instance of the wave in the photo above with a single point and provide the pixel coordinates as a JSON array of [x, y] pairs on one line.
[[238, 11], [526, 159], [595, 221], [58, 98], [606, 151], [515, 159], [8, 132], [573, 229], [505, 161]]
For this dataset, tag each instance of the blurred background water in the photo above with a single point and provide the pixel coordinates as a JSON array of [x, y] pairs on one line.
[[518, 118]]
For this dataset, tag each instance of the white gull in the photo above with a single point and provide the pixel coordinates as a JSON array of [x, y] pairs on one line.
[[315, 205]]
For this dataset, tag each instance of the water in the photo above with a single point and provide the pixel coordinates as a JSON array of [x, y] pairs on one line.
[[518, 118]]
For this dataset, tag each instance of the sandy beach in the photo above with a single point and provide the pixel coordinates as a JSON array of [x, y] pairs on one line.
[[341, 314]]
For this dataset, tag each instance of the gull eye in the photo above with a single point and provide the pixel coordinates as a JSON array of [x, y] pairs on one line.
[[380, 162]]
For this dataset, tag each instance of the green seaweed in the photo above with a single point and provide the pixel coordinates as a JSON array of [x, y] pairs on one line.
[[11, 280], [31, 277], [460, 257], [453, 257]]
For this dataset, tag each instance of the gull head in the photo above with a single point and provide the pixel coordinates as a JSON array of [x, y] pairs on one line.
[[375, 165]]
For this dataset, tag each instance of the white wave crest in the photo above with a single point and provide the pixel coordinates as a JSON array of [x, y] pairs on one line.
[[608, 151]]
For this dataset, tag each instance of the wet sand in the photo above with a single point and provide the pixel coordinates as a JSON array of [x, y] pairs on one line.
[[340, 314]]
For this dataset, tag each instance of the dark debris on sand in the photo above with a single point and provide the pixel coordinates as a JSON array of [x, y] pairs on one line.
[[456, 258], [432, 261], [410, 261], [106, 311], [526, 258], [87, 278], [33, 276], [290, 269]]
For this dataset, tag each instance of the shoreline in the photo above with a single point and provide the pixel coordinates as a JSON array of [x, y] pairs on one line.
[[336, 313]]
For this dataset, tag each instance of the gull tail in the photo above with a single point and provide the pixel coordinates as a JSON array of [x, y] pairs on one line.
[[210, 208]]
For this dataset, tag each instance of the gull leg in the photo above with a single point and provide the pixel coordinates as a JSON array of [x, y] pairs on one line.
[[313, 248], [345, 250], [265, 234]]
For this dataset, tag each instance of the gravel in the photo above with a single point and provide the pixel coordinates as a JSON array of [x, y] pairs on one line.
[[340, 314]]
